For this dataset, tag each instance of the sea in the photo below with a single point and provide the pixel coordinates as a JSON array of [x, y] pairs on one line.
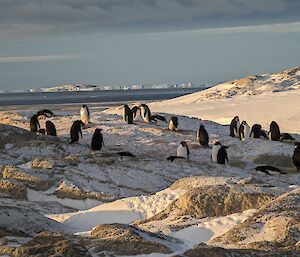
[[106, 97]]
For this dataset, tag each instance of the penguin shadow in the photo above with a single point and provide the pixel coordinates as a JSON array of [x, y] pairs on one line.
[[179, 131]]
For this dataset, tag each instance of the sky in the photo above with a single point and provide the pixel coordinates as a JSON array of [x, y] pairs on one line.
[[45, 43]]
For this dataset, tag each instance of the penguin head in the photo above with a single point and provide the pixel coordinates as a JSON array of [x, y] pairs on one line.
[[84, 106], [297, 145], [244, 122], [236, 118], [201, 126], [98, 130], [183, 143]]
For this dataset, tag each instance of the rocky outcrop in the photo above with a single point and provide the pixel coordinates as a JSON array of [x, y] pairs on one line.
[[118, 239], [42, 164], [52, 244], [275, 225], [13, 190]]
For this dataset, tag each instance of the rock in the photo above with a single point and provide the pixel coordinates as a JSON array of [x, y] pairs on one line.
[[52, 244], [42, 164], [119, 239], [38, 181], [276, 225], [13, 190]]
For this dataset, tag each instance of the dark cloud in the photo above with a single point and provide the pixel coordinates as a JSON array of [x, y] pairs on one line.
[[40, 17]]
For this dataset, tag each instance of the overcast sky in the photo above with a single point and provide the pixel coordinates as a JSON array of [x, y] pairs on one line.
[[50, 42]]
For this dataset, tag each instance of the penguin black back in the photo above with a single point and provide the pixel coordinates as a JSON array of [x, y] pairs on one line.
[[274, 131], [266, 169], [46, 113], [286, 136], [222, 156], [203, 136], [50, 128], [34, 124], [127, 114], [296, 156], [97, 140], [234, 126], [76, 130], [157, 117]]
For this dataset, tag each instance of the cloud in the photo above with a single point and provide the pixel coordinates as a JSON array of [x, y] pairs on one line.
[[36, 58], [33, 17]]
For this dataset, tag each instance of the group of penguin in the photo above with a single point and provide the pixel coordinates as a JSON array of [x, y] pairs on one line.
[[218, 154]]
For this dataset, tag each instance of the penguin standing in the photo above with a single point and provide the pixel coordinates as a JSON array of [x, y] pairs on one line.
[[127, 114], [76, 130], [296, 156], [34, 124], [97, 140], [234, 126], [244, 131], [183, 150], [136, 111], [85, 114], [173, 123], [219, 153], [145, 113], [50, 128], [202, 136], [274, 131]]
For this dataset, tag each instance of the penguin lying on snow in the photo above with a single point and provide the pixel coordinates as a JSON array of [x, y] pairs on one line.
[[267, 169], [127, 154], [97, 140], [183, 152], [234, 126], [173, 123], [296, 156], [202, 136], [219, 153], [76, 130], [85, 114], [157, 117], [46, 113], [286, 136]]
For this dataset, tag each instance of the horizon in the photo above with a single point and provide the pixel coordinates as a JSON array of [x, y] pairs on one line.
[[144, 42]]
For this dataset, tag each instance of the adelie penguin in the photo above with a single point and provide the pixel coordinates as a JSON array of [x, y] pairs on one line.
[[85, 114], [244, 131], [296, 156], [202, 136], [76, 131], [183, 152], [234, 126], [50, 128], [255, 131], [45, 112], [274, 131], [136, 111], [286, 137], [219, 153], [157, 117], [97, 140], [127, 114], [173, 123], [269, 170], [34, 124], [145, 113]]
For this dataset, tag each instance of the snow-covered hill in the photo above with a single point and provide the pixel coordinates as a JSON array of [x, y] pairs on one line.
[[256, 99]]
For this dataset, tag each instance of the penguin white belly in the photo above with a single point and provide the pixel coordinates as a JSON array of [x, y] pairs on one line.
[[172, 126], [247, 131], [236, 131], [84, 115], [215, 151], [182, 152]]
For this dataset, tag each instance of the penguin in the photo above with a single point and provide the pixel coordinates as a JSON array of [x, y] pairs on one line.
[[97, 140], [234, 126], [274, 131], [136, 111], [157, 117], [127, 114], [76, 130], [173, 123], [296, 156], [172, 158], [268, 169], [127, 154], [202, 136], [50, 128], [85, 114], [286, 136], [255, 131], [263, 134], [183, 150], [46, 113], [34, 124], [145, 113], [244, 131], [219, 153]]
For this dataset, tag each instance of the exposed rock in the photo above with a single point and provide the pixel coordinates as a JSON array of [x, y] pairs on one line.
[[52, 244], [203, 250], [13, 190], [214, 201], [121, 239], [275, 225], [38, 181], [42, 164]]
